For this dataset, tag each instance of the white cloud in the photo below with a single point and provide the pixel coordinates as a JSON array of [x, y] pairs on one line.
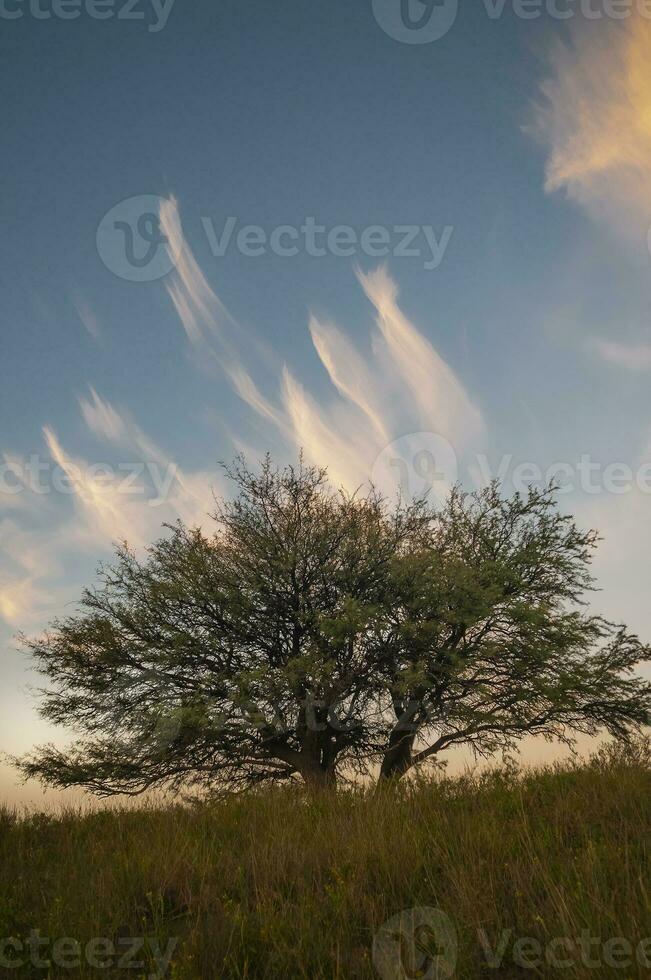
[[349, 372], [331, 437], [105, 511], [440, 400], [107, 506], [88, 318], [595, 120], [402, 386], [632, 357], [102, 419]]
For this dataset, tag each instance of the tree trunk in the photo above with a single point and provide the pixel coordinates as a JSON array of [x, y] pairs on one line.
[[398, 756], [318, 754], [319, 779]]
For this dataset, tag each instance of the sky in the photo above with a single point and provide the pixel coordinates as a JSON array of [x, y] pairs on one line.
[[410, 238]]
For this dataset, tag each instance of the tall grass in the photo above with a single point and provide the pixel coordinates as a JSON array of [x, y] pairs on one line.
[[281, 885]]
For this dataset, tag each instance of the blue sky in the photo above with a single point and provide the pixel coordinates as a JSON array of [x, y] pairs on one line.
[[521, 147]]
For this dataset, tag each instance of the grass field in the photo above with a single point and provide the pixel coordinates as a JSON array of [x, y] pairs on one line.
[[540, 873]]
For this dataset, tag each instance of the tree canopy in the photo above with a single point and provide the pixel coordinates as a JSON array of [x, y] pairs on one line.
[[317, 634]]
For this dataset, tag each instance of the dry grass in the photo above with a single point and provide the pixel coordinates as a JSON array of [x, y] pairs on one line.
[[279, 885]]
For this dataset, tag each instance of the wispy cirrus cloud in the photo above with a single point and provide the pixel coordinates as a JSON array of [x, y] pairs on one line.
[[436, 396], [82, 507], [27, 565], [88, 317], [102, 418], [184, 494], [401, 385], [349, 372], [595, 120], [204, 317], [103, 510], [632, 357], [115, 426], [214, 334]]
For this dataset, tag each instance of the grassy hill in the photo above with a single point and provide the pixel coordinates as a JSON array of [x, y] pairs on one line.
[[539, 873]]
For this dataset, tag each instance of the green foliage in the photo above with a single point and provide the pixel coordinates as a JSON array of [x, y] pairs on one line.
[[318, 635]]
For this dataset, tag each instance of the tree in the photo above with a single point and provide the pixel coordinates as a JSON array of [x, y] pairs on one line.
[[489, 639], [319, 633], [234, 659]]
